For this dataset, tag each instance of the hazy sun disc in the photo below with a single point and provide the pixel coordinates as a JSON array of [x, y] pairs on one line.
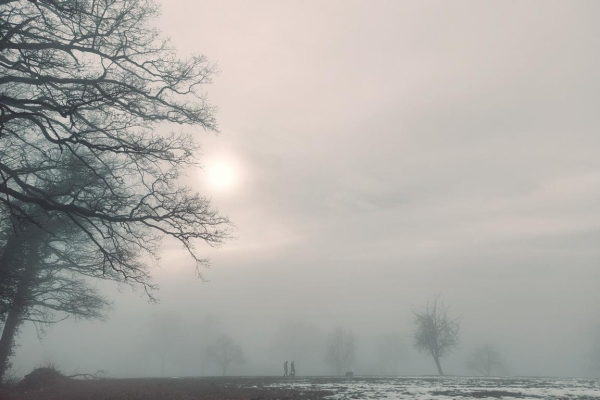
[[221, 175]]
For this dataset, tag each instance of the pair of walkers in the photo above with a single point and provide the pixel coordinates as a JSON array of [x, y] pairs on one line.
[[292, 369]]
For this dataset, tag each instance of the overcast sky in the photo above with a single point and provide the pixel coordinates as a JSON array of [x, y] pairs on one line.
[[382, 153]]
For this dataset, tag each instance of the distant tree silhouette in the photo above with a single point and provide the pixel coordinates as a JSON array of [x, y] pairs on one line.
[[391, 351], [486, 361], [341, 350], [225, 352], [435, 333], [164, 337], [594, 352]]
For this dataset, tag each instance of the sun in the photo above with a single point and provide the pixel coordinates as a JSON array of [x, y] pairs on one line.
[[222, 175]]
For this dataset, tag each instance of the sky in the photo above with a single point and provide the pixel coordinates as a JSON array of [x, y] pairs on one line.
[[374, 155]]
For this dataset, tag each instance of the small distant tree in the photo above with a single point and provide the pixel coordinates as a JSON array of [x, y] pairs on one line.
[[225, 352], [486, 361], [341, 350], [164, 338], [594, 352], [435, 333], [391, 351]]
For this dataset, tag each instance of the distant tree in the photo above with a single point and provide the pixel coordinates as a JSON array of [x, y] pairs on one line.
[[486, 361], [391, 351], [341, 350], [225, 352], [435, 333], [208, 328], [90, 85], [594, 351], [164, 337]]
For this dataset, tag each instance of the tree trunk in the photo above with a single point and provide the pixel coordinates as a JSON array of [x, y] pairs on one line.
[[18, 307], [439, 366], [14, 320], [8, 256], [6, 341], [10, 249]]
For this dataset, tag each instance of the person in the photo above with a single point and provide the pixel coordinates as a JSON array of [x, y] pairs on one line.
[[285, 369], [292, 369]]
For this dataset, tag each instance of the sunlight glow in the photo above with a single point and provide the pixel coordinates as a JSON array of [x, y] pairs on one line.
[[222, 175]]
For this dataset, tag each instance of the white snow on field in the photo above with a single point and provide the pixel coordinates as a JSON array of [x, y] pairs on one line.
[[451, 387]]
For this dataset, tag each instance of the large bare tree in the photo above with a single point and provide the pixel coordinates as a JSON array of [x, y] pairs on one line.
[[341, 350], [435, 333], [93, 81], [90, 86]]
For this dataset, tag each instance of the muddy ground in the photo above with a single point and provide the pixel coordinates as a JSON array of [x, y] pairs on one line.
[[252, 388]]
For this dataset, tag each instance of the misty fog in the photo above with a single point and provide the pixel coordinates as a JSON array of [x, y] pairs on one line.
[[373, 156]]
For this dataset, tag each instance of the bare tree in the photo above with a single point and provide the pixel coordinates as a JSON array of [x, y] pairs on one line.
[[164, 337], [93, 81], [593, 353], [89, 87], [486, 361], [392, 352], [435, 333], [225, 352], [341, 350]]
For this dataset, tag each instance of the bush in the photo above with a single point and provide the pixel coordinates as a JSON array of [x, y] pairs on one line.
[[40, 377]]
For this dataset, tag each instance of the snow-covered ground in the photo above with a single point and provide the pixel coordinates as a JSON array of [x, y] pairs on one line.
[[450, 387]]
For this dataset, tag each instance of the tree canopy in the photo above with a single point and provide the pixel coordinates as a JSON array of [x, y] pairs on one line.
[[91, 85], [341, 349], [435, 333]]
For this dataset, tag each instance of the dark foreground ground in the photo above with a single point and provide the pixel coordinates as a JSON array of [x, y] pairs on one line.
[[312, 388], [239, 388]]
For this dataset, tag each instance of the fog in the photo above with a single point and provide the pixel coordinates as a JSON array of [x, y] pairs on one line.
[[381, 154]]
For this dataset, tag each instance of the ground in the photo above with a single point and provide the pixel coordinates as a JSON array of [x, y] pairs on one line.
[[309, 388]]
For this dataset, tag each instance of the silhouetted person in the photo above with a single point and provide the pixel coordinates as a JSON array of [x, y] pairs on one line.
[[285, 368], [292, 369]]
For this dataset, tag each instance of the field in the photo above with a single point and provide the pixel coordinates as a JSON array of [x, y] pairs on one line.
[[456, 388], [265, 388]]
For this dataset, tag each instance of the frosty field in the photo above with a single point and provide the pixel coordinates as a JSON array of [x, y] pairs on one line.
[[452, 387]]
